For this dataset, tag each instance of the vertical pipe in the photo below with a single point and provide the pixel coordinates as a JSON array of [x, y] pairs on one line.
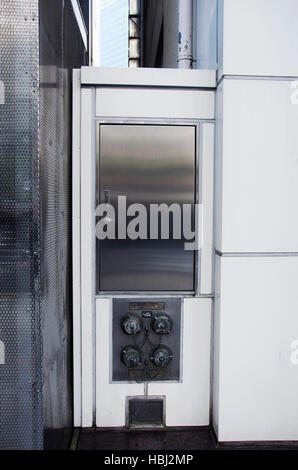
[[185, 17]]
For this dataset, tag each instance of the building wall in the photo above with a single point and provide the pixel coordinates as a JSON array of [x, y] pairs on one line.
[[256, 225], [205, 34], [252, 44], [154, 96], [153, 35], [161, 33], [39, 45], [60, 50], [20, 364], [258, 37]]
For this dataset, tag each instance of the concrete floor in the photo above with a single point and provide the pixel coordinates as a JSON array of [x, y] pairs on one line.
[[199, 438]]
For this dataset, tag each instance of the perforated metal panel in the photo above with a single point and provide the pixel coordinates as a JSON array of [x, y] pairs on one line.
[[20, 371], [39, 45]]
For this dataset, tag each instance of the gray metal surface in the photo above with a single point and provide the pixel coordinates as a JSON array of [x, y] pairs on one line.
[[39, 45], [147, 164], [61, 50], [146, 340], [20, 375]]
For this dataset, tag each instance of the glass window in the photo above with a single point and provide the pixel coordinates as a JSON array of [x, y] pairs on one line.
[[113, 33]]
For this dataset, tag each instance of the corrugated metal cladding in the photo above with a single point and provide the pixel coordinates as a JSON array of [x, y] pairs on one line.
[[39, 45]]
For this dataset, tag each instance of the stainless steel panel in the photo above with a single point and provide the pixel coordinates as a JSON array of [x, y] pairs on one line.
[[147, 164]]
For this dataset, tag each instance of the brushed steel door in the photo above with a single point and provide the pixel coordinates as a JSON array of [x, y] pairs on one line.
[[149, 164]]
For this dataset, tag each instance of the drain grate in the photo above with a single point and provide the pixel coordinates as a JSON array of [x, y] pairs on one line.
[[145, 412]]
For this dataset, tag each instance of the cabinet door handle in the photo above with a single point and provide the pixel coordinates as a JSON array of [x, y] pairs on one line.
[[107, 196]]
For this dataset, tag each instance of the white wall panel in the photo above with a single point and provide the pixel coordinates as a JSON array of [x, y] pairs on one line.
[[256, 194], [110, 397], [207, 170], [87, 255], [187, 403], [155, 103], [220, 36], [260, 37], [257, 381], [193, 391], [218, 173], [150, 77], [76, 248], [216, 344], [259, 168]]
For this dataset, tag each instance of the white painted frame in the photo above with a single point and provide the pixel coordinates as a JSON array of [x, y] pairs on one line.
[[76, 247], [84, 198]]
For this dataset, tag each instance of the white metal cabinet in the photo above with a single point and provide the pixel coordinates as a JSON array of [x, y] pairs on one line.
[[174, 97]]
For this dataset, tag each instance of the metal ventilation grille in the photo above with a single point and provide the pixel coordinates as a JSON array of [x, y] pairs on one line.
[[20, 377], [145, 411]]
